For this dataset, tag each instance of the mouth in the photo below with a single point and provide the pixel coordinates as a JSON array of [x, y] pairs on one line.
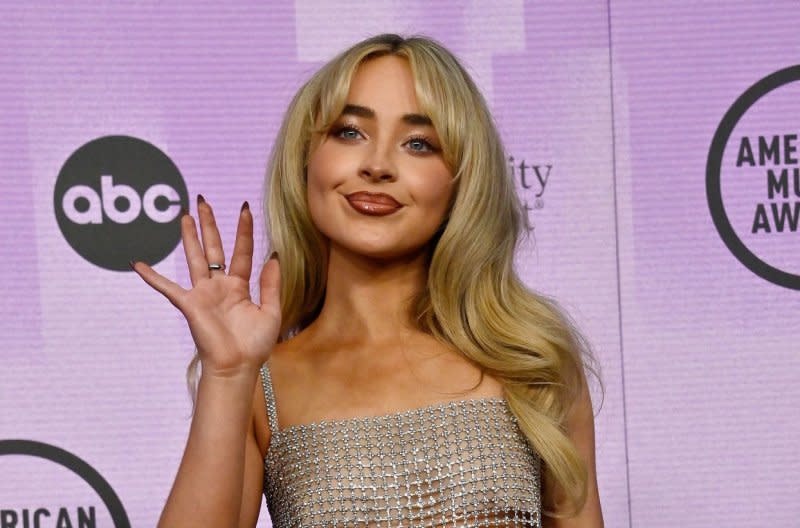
[[373, 204], [371, 197]]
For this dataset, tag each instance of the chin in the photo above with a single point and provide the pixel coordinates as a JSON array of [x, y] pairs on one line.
[[376, 251], [379, 250]]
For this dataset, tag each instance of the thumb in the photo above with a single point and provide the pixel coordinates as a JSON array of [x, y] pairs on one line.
[[169, 289]]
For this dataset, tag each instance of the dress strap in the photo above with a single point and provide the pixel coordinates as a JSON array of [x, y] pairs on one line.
[[269, 398]]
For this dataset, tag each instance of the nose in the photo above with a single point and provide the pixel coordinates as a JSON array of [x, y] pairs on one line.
[[377, 164]]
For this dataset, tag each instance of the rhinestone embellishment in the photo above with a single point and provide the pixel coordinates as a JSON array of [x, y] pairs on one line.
[[464, 463]]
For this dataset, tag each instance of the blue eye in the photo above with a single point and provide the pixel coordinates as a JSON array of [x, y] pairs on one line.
[[423, 143], [341, 131], [417, 144]]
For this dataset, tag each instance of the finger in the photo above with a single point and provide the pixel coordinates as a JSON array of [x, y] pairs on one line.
[[195, 257], [172, 291], [212, 243], [242, 259], [270, 284]]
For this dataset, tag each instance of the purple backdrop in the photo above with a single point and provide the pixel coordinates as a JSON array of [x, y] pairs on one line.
[[609, 111]]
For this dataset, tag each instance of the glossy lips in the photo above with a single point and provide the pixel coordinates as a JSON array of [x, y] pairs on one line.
[[374, 204]]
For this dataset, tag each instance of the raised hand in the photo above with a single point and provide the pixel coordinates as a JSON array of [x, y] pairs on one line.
[[233, 335]]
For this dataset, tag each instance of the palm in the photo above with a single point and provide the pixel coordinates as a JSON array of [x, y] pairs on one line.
[[230, 331], [225, 319]]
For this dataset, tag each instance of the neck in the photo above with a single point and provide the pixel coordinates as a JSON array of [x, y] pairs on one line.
[[368, 301]]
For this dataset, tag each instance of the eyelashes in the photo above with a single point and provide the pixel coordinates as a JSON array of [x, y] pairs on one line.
[[427, 142], [423, 139], [337, 131]]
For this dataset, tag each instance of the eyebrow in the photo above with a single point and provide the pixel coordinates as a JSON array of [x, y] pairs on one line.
[[369, 113]]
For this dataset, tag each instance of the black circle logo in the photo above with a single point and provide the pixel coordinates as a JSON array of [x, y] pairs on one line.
[[757, 210], [119, 198], [75, 464]]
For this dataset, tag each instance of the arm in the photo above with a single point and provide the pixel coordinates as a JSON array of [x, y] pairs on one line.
[[208, 487], [234, 338], [580, 426], [254, 464]]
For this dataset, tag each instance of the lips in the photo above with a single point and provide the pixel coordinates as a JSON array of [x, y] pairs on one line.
[[377, 198], [373, 204]]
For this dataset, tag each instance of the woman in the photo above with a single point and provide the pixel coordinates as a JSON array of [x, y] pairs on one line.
[[396, 372]]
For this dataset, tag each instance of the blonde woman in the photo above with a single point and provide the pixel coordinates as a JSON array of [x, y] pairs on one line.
[[396, 372]]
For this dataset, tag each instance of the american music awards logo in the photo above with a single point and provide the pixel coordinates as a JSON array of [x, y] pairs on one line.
[[753, 178], [40, 504]]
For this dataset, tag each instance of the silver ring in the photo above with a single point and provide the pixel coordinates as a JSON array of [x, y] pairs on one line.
[[216, 267]]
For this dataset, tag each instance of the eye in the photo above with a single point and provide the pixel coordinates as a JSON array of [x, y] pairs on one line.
[[347, 132], [421, 144]]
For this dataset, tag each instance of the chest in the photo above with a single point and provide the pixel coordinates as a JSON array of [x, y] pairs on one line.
[[315, 389], [461, 463]]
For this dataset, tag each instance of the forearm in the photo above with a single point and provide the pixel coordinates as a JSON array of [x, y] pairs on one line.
[[208, 487]]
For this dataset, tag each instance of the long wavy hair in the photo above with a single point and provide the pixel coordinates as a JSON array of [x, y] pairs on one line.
[[474, 301]]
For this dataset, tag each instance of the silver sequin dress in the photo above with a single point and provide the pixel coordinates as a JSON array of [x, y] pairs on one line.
[[458, 464]]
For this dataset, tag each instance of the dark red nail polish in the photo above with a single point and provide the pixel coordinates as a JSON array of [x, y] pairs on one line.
[[131, 262], [200, 199], [184, 211], [245, 205], [274, 256]]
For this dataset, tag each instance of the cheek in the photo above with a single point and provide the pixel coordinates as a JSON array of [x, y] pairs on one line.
[[315, 198], [436, 191], [320, 176], [326, 172], [329, 166]]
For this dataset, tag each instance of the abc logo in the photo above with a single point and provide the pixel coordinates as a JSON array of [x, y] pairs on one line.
[[119, 198], [107, 202]]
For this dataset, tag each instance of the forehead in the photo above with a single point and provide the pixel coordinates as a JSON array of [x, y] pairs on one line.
[[385, 84]]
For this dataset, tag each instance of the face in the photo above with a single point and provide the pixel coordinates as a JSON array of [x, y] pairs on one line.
[[377, 183]]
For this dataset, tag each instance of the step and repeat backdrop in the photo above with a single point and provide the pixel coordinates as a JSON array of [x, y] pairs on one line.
[[655, 145]]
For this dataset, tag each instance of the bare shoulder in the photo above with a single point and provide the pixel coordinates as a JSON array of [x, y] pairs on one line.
[[260, 424], [260, 421]]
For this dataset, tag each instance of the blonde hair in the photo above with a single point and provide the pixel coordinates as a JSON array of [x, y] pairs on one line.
[[474, 301]]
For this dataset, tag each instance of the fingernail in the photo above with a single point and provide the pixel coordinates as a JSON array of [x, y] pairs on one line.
[[274, 256], [245, 205], [200, 199], [131, 262], [184, 211]]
